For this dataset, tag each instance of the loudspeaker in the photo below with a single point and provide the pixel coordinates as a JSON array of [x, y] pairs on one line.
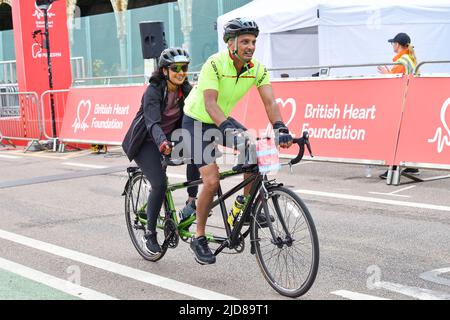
[[153, 39]]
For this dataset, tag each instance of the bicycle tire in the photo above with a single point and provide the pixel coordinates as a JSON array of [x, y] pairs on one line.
[[136, 229], [262, 240]]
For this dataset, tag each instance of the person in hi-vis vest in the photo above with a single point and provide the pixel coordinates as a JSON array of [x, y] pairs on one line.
[[406, 56]]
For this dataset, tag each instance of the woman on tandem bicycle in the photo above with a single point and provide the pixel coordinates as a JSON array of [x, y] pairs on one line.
[[149, 135]]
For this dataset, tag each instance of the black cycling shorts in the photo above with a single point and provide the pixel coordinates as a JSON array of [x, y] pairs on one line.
[[200, 141]]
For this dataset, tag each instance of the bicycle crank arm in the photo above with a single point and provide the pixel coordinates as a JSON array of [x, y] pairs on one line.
[[222, 246]]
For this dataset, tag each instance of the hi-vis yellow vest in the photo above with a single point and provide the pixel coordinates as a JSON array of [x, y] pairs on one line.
[[408, 63]]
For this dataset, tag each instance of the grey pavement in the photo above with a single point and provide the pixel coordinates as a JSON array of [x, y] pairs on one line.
[[62, 215]]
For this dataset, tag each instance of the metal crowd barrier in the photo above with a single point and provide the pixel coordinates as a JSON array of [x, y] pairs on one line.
[[323, 71], [8, 72], [59, 98], [193, 76], [417, 69], [78, 67], [9, 103], [109, 80], [22, 121]]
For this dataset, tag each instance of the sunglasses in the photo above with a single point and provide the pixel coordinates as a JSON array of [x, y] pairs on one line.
[[178, 68]]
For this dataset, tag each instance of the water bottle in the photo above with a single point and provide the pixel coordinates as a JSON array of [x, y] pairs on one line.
[[236, 210]]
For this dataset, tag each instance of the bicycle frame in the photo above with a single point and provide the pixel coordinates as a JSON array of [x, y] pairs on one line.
[[232, 240], [233, 234], [269, 207]]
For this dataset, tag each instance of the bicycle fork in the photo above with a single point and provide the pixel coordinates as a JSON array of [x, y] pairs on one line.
[[277, 240]]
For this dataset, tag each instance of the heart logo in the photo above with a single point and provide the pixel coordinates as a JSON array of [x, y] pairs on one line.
[[442, 139], [36, 50], [83, 111], [293, 105], [284, 111]]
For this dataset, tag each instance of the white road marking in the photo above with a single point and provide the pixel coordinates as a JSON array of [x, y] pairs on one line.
[[403, 189], [433, 276], [356, 296], [390, 194], [393, 193], [375, 200], [7, 156], [125, 271], [53, 282], [84, 165], [414, 292]]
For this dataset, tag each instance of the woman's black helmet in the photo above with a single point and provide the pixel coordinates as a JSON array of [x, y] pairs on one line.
[[173, 55], [238, 26]]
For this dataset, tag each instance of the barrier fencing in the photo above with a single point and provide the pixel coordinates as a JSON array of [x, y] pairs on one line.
[[22, 120], [59, 97], [9, 104], [417, 69], [323, 71], [8, 72]]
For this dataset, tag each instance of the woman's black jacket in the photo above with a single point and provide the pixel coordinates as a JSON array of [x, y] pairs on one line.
[[146, 124]]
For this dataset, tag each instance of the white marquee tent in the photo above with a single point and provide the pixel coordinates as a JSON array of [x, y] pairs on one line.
[[342, 32]]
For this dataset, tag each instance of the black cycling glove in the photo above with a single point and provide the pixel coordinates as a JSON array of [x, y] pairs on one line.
[[282, 134], [230, 132], [227, 126]]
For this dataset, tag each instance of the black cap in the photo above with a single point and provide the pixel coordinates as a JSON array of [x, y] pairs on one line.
[[402, 38]]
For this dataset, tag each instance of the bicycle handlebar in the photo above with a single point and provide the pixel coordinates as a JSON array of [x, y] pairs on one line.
[[301, 142]]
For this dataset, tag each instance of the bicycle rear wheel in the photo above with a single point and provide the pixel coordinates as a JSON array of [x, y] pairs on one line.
[[289, 261], [135, 208]]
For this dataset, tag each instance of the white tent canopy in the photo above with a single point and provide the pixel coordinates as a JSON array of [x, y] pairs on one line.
[[342, 32]]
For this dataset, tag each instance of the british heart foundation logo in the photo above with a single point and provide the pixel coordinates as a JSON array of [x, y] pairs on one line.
[[83, 111], [442, 134], [36, 51], [288, 108], [39, 14]]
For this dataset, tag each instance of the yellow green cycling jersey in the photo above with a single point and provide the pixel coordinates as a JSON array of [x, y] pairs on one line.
[[218, 73]]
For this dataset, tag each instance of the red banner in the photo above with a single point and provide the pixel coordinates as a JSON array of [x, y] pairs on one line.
[[354, 119], [100, 115], [425, 130], [32, 71], [31, 58]]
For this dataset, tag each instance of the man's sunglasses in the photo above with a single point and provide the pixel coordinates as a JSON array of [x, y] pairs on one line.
[[178, 68]]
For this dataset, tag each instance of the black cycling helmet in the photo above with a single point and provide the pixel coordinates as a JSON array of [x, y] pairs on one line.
[[238, 26], [173, 55]]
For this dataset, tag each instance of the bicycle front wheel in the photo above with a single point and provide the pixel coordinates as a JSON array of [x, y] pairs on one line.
[[288, 258], [136, 218]]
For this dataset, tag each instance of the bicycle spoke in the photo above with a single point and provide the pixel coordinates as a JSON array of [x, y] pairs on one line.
[[287, 271], [301, 254], [297, 270]]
